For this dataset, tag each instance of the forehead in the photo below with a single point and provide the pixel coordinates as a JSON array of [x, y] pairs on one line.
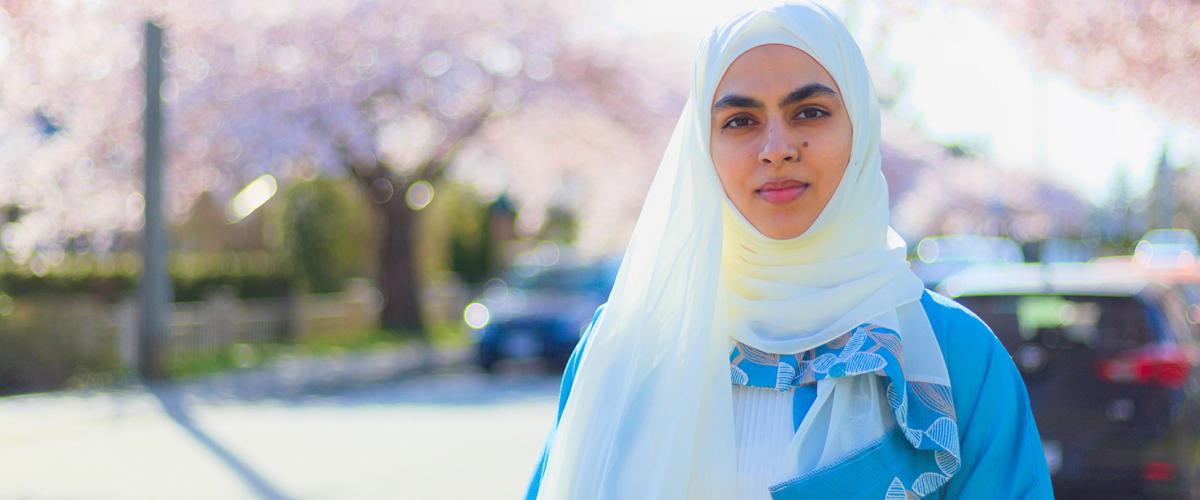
[[771, 69]]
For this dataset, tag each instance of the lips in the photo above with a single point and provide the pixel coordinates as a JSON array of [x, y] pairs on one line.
[[781, 191]]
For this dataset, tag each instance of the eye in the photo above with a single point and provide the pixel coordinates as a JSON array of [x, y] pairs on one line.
[[811, 113], [738, 122]]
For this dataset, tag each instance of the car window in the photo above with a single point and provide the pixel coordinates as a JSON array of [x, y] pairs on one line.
[[564, 279], [1065, 321], [1176, 310]]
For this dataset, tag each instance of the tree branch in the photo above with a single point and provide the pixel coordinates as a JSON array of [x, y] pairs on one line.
[[432, 168]]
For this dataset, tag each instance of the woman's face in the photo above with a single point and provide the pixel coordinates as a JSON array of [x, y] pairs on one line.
[[780, 138]]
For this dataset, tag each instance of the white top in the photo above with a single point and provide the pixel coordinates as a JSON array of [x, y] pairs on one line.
[[762, 420]]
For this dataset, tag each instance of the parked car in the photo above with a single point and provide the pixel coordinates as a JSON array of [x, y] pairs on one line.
[[1183, 274], [1110, 363], [538, 313], [1167, 248], [941, 256]]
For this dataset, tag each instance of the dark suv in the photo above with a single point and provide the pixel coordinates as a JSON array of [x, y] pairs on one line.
[[1110, 363]]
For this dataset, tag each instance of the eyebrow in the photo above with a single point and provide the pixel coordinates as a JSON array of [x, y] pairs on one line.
[[800, 94]]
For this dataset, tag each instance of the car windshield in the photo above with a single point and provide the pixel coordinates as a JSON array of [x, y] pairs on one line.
[[561, 279]]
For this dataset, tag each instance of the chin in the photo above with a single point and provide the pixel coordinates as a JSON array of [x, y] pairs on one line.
[[785, 235], [784, 231]]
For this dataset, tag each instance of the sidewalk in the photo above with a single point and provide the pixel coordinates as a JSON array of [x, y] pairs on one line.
[[23, 417], [366, 425]]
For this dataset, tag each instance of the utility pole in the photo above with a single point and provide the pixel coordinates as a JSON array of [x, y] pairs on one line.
[[155, 286]]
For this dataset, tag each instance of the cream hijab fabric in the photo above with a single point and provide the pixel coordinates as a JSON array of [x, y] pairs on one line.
[[650, 411]]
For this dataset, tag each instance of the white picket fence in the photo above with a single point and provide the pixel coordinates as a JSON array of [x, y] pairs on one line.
[[205, 327], [198, 328], [221, 319]]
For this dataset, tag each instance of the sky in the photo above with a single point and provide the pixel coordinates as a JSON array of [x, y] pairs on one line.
[[971, 82]]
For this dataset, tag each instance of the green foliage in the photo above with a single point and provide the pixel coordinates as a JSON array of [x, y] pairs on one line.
[[109, 277], [457, 226], [324, 233], [561, 226], [471, 250], [967, 148], [252, 355], [44, 349], [464, 235]]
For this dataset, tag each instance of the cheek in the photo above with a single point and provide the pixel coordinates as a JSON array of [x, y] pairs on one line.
[[733, 168], [829, 159]]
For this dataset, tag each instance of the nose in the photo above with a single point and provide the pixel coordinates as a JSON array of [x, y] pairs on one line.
[[777, 149]]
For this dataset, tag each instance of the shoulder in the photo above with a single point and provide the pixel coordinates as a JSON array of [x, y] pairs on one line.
[[974, 356], [959, 332], [1000, 447]]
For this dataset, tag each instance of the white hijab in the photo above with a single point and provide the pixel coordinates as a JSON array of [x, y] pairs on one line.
[[650, 412]]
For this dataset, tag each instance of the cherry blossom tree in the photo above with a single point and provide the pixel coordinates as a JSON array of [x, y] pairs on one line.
[[392, 94], [1149, 46]]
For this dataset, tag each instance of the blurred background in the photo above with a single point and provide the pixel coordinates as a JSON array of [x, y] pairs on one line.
[[342, 249]]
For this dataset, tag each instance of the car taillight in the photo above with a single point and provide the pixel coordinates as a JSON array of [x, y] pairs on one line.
[[1158, 471], [1167, 366]]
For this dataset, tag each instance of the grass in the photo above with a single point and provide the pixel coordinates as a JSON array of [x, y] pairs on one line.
[[250, 355]]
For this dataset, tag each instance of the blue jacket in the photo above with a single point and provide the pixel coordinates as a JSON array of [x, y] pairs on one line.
[[1001, 451]]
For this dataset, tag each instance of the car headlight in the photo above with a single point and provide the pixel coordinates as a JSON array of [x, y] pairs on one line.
[[476, 315]]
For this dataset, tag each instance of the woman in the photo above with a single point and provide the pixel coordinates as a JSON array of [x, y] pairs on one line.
[[765, 337]]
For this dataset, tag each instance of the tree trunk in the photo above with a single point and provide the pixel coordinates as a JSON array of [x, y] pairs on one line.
[[397, 267]]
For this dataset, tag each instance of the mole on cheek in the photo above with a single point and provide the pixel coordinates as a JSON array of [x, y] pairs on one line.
[[806, 144]]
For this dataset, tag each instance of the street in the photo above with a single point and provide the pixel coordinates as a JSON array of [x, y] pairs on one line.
[[450, 435]]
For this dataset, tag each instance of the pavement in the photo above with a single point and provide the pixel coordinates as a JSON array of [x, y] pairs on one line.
[[403, 423]]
